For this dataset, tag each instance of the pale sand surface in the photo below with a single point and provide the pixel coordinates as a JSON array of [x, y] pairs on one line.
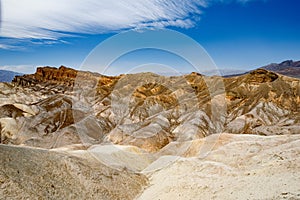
[[239, 167]]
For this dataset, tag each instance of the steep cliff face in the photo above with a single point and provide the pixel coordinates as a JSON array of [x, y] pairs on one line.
[[64, 106], [62, 75]]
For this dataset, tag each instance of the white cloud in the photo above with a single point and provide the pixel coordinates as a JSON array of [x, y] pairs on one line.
[[53, 19], [10, 46], [25, 69], [4, 46]]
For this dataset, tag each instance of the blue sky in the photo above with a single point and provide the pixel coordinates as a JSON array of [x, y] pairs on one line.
[[237, 34]]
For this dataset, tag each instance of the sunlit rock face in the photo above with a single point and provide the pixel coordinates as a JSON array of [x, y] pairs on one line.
[[58, 107]]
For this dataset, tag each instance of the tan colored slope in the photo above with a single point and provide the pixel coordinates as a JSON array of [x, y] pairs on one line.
[[29, 173], [235, 167], [239, 167]]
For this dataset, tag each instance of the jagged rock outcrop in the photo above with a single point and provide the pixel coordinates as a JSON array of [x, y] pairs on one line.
[[62, 75]]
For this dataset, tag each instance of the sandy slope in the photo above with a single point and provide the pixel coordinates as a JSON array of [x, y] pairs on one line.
[[31, 173], [239, 167]]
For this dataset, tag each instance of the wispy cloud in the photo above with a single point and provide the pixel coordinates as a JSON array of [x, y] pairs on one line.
[[54, 19], [58, 18], [11, 47], [4, 46]]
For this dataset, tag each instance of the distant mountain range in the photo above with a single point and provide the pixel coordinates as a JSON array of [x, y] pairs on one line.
[[8, 76], [288, 68]]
